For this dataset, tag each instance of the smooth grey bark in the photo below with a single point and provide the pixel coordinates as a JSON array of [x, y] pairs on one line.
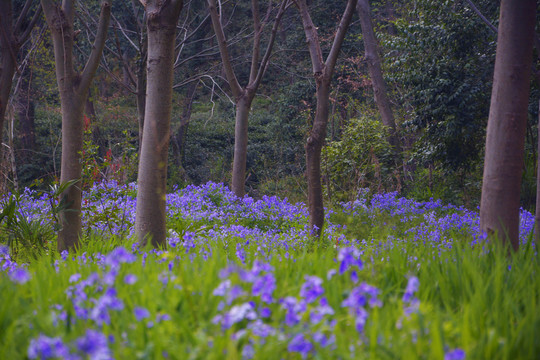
[[375, 72], [322, 72], [499, 206], [73, 88], [12, 36], [150, 218], [243, 96]]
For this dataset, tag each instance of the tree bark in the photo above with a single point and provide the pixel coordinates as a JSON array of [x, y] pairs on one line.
[[499, 206], [322, 72], [73, 88], [243, 107], [8, 51], [375, 72], [150, 219], [243, 96], [11, 38], [314, 146]]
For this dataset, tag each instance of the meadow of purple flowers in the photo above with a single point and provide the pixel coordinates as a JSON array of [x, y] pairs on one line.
[[262, 284]]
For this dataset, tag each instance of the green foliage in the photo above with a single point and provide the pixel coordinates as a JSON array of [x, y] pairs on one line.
[[441, 63], [361, 159], [27, 237]]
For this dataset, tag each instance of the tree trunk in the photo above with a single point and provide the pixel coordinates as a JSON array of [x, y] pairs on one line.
[[375, 72], [243, 106], [181, 133], [150, 219], [314, 146], [141, 100], [26, 115], [73, 88], [8, 53], [499, 207], [537, 212], [322, 72], [244, 95], [72, 143]]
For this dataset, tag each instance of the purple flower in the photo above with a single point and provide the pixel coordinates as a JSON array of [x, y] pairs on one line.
[[311, 289], [100, 313], [349, 256], [19, 275], [456, 354], [412, 286], [74, 278], [130, 279], [264, 286], [118, 256], [261, 329], [162, 317], [300, 345], [141, 313], [94, 344], [294, 310], [320, 311], [45, 347]]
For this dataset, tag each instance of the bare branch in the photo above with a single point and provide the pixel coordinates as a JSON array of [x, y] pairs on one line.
[[264, 63], [24, 36], [119, 26], [222, 42], [22, 15], [340, 36], [312, 37], [93, 60], [257, 30], [484, 19]]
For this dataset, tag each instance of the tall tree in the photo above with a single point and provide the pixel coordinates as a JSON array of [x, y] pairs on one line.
[[499, 206], [322, 72], [373, 59], [162, 18], [243, 96], [12, 36], [73, 87]]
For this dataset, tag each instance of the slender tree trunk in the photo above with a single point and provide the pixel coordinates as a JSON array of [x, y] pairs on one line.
[[26, 116], [150, 219], [499, 207], [375, 72], [243, 106], [244, 95], [314, 146], [180, 136], [322, 72]]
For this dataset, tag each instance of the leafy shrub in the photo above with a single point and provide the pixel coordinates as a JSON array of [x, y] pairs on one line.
[[361, 159]]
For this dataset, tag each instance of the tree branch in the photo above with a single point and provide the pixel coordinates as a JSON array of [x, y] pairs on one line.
[[256, 50], [312, 37], [237, 90], [264, 63], [99, 42], [30, 26], [484, 19], [22, 16], [340, 35]]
